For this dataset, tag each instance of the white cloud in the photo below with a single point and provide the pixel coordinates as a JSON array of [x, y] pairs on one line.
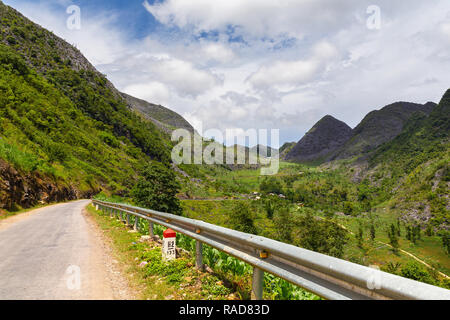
[[257, 17], [183, 75], [445, 28], [297, 60], [218, 53], [94, 39], [154, 91], [290, 74]]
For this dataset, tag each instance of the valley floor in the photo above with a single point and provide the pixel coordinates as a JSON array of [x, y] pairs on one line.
[[329, 195]]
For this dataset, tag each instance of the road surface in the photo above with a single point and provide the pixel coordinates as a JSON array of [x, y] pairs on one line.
[[56, 253]]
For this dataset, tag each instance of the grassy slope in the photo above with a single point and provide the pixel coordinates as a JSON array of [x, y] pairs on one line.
[[43, 131], [62, 119], [416, 166]]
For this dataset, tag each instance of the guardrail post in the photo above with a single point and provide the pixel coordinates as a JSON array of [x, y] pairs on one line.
[[136, 223], [257, 284], [199, 255], [151, 233], [111, 213], [128, 220]]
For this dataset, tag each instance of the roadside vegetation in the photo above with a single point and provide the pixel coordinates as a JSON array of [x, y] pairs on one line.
[[225, 277], [314, 208]]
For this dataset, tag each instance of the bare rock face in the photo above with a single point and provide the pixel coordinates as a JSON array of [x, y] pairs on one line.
[[327, 136], [28, 190], [331, 139], [380, 126]]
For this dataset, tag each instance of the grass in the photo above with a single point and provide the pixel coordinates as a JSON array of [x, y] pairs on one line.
[[429, 248], [158, 280], [228, 278], [318, 185]]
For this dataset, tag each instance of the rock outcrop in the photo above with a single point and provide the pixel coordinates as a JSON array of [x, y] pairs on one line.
[[327, 136]]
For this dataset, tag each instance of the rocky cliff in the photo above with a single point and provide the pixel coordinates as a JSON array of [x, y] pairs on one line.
[[325, 137]]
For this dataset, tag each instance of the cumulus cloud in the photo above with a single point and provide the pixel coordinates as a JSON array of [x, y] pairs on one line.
[[217, 52], [153, 91], [255, 17], [293, 73], [269, 63], [184, 76]]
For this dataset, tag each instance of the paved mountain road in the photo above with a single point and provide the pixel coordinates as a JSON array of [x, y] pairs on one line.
[[57, 253]]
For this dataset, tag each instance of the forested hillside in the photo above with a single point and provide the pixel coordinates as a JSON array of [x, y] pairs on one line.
[[416, 165], [65, 130]]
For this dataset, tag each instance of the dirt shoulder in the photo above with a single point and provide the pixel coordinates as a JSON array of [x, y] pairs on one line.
[[117, 286]]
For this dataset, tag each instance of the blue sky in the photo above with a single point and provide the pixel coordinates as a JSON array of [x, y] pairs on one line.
[[269, 64]]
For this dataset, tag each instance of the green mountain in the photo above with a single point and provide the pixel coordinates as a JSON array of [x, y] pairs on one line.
[[330, 139], [400, 156], [378, 127], [285, 148], [264, 150], [65, 132], [324, 138], [415, 167], [165, 119]]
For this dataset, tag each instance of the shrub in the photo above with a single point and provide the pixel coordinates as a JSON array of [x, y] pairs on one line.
[[57, 152], [271, 185], [11, 40], [12, 60], [241, 218], [157, 189], [321, 236], [284, 225], [416, 271]]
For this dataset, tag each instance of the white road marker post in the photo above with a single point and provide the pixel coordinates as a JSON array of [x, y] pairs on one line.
[[169, 245]]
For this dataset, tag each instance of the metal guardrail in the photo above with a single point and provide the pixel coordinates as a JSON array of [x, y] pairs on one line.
[[326, 276]]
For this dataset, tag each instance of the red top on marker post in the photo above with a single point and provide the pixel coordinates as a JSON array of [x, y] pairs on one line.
[[169, 233]]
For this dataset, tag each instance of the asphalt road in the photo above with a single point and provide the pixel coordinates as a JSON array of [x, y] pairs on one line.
[[51, 254]]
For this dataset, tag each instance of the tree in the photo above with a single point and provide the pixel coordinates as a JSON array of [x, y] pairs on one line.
[[269, 205], [393, 238], [241, 218], [398, 228], [348, 208], [408, 233], [284, 225], [416, 271], [417, 232], [429, 231], [271, 185], [322, 236], [446, 241], [372, 231], [157, 189], [360, 236]]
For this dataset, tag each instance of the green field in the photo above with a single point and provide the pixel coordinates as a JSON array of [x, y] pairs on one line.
[[328, 195]]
